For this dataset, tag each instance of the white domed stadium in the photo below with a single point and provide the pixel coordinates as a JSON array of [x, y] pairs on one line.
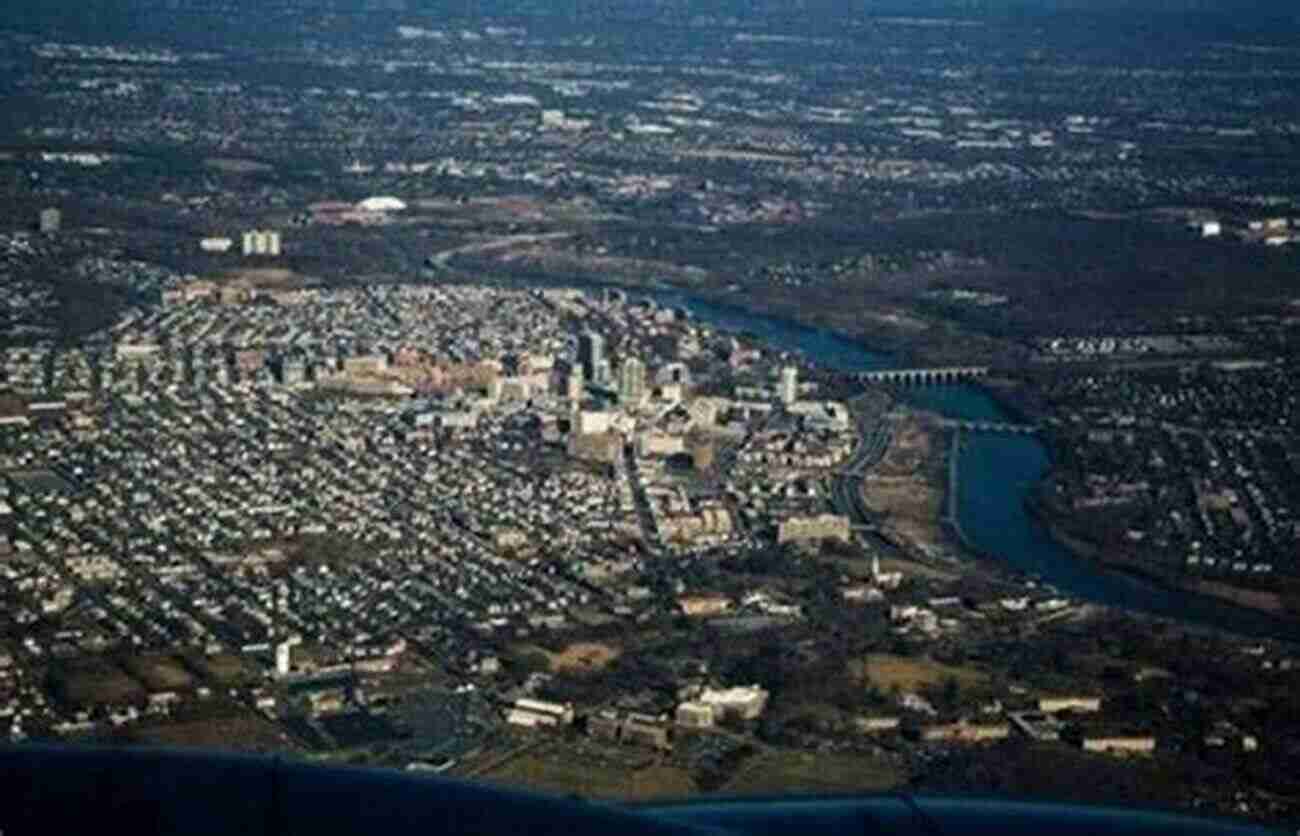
[[381, 204]]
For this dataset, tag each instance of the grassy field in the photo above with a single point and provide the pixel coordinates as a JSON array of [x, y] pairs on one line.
[[94, 682], [225, 668], [239, 732], [567, 773], [794, 772], [159, 673], [886, 671]]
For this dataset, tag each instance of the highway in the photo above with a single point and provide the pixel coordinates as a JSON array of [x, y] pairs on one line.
[[873, 440]]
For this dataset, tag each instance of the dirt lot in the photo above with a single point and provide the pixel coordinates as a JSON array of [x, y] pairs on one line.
[[584, 656], [907, 485], [268, 277], [577, 657], [886, 671]]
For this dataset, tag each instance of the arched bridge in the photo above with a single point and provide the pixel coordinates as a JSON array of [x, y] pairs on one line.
[[938, 374], [990, 427]]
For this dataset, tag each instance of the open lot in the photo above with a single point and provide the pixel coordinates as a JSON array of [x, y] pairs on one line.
[[886, 671], [907, 487], [583, 656]]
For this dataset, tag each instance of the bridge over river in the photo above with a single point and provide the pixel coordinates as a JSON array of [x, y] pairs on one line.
[[989, 426], [925, 376]]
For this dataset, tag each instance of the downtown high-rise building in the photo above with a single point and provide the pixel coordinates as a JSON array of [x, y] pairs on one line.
[[631, 382], [591, 356], [788, 388], [576, 383]]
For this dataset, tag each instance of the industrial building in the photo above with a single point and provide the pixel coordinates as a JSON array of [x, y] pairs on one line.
[[536, 713], [741, 702]]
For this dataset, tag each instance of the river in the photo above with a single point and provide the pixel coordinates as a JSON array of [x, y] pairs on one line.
[[997, 473]]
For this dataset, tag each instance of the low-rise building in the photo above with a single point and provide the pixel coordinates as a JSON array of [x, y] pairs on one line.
[[646, 730], [1124, 745], [1077, 704], [704, 605], [822, 526], [695, 715], [965, 732], [741, 702], [532, 713]]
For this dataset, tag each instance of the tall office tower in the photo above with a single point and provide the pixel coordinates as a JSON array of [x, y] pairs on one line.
[[576, 383], [789, 387], [261, 242], [591, 355], [50, 221], [283, 658], [631, 382]]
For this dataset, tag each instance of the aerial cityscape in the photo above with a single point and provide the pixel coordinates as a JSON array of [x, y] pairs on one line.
[[648, 399]]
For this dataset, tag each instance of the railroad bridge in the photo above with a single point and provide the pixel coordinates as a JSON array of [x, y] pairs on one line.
[[936, 375], [990, 427]]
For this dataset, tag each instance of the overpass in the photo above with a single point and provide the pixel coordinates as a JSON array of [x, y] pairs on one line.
[[989, 427], [934, 375]]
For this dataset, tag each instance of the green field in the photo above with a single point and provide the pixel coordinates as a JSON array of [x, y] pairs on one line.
[[239, 731], [795, 772], [159, 673], [565, 774], [91, 682], [225, 668]]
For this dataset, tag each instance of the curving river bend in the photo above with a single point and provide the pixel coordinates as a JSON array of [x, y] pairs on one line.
[[997, 474]]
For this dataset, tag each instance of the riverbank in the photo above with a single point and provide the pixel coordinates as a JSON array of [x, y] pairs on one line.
[[907, 487], [997, 474], [1263, 601], [900, 338]]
